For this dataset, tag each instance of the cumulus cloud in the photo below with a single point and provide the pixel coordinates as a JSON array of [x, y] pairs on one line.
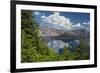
[[57, 19], [43, 16], [36, 13], [77, 26], [86, 23]]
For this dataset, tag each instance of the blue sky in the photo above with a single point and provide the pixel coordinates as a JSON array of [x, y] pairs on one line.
[[77, 17], [71, 18]]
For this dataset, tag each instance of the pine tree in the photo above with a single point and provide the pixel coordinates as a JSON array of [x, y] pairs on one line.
[[32, 45], [28, 27]]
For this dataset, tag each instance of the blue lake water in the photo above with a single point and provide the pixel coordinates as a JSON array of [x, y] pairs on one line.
[[58, 45]]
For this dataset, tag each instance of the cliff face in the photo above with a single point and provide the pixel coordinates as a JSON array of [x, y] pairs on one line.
[[64, 35], [50, 32]]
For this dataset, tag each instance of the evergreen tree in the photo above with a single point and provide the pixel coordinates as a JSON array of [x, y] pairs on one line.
[[66, 53], [32, 45], [28, 29]]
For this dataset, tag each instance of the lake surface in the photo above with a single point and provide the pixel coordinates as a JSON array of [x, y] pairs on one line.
[[58, 45]]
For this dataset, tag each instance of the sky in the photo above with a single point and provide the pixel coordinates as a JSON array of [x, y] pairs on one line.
[[62, 20]]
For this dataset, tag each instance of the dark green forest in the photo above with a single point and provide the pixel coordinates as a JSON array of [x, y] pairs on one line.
[[34, 49]]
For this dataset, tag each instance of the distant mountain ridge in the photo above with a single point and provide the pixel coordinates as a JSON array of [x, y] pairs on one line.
[[51, 32], [57, 39]]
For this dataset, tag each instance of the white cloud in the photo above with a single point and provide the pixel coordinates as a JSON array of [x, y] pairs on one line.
[[43, 16], [78, 25], [86, 23], [36, 13], [57, 20]]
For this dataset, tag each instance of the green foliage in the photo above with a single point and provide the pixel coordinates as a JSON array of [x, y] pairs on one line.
[[32, 45], [27, 55], [66, 53], [82, 51]]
